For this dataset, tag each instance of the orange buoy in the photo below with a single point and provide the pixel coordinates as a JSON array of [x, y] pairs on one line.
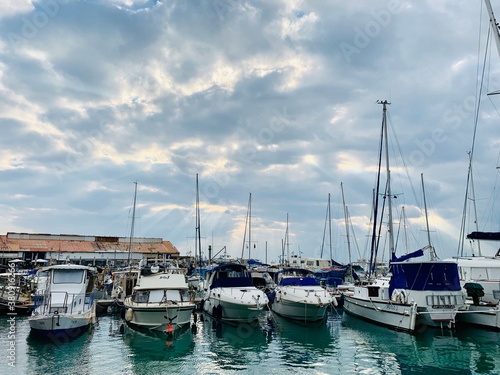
[[169, 329]]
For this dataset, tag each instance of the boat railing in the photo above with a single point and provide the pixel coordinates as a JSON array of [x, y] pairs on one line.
[[63, 302]]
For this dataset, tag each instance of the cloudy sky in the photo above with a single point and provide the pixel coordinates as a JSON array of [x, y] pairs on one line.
[[276, 99]]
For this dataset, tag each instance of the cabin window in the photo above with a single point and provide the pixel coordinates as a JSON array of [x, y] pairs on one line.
[[173, 295], [140, 296], [478, 273], [68, 276], [373, 291], [156, 296]]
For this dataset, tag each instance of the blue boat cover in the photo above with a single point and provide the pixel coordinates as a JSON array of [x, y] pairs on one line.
[[425, 276], [415, 254], [231, 275]]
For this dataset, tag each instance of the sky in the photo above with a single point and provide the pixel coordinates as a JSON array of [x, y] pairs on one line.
[[276, 99]]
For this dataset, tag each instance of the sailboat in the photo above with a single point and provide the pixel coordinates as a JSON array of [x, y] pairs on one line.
[[416, 293], [480, 273], [197, 273]]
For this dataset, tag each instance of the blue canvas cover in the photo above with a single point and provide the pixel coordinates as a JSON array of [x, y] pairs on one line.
[[430, 275], [231, 275], [331, 276]]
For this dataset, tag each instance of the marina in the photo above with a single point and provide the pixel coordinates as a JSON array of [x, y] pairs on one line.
[[342, 344]]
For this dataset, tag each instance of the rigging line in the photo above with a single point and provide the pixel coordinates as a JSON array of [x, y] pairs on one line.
[[476, 116], [354, 235], [324, 229], [394, 135]]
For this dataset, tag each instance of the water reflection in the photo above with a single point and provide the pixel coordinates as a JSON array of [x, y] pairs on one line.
[[303, 344], [430, 351], [158, 345], [45, 354], [231, 346]]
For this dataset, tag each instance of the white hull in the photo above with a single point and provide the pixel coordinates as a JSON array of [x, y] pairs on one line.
[[63, 306], [68, 323], [236, 304], [484, 271], [302, 303], [486, 316], [157, 317], [393, 315]]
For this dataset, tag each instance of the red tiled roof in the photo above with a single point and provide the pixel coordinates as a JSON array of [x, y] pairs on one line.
[[9, 244]]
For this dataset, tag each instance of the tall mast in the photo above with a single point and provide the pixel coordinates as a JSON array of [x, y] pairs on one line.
[[247, 223], [198, 224], [432, 251], [346, 218], [388, 170], [132, 225], [374, 242], [473, 193], [249, 226], [494, 25], [330, 227]]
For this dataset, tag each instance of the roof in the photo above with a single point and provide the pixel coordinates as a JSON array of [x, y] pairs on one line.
[[15, 242]]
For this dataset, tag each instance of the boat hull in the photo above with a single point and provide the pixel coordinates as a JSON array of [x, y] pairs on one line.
[[484, 315], [393, 315], [306, 312], [72, 325], [235, 306], [158, 317]]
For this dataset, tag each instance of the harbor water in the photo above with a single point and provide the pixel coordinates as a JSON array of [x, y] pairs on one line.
[[340, 345]]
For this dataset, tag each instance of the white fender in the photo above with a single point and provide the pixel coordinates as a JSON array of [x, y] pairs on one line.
[[129, 315]]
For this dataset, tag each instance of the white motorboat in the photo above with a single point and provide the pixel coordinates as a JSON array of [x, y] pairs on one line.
[[160, 301], [482, 270], [232, 296], [299, 296], [66, 304]]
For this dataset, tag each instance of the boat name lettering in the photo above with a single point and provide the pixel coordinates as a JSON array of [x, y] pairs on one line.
[[443, 306], [165, 277]]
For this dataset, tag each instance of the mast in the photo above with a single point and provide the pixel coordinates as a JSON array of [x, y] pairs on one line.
[[473, 193], [249, 226], [432, 251], [389, 192], [198, 224], [330, 227], [346, 219], [373, 248], [132, 225], [494, 25], [247, 223]]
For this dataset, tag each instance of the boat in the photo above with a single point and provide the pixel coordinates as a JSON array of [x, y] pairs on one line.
[[15, 296], [161, 300], [480, 273], [66, 304], [231, 295], [415, 294], [299, 296], [112, 293]]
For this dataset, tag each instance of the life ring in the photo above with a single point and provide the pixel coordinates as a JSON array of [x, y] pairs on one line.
[[129, 315]]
